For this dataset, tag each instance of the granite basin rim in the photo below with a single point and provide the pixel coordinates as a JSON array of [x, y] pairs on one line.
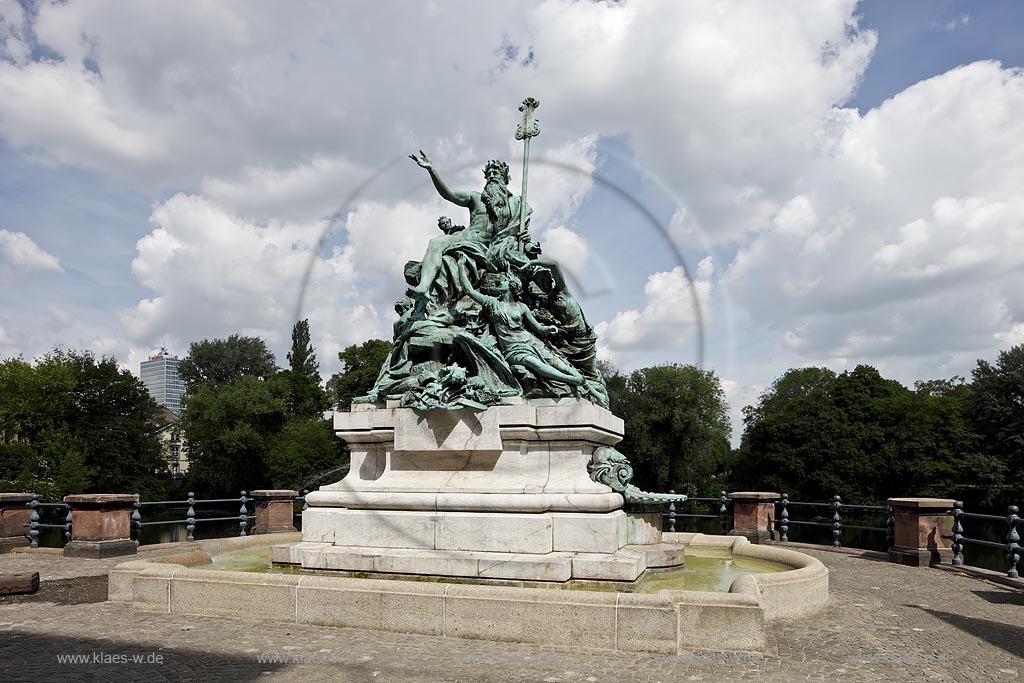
[[668, 622]]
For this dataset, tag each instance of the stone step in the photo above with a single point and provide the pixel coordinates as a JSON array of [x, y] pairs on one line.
[[16, 584]]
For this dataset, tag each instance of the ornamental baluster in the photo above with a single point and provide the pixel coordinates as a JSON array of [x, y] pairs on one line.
[[890, 527], [190, 518], [242, 513], [672, 514], [67, 526], [722, 522], [1013, 541], [136, 523], [33, 521], [784, 518], [958, 533], [305, 505], [837, 521]]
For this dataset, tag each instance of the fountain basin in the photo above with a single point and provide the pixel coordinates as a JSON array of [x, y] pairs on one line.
[[665, 622]]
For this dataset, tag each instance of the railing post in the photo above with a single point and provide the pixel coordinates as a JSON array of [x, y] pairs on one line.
[[305, 505], [923, 529], [723, 500], [15, 517], [190, 518], [243, 513], [784, 518], [67, 527], [672, 515], [752, 513], [890, 527], [136, 522], [33, 522], [101, 525], [274, 511], [1012, 542], [837, 522], [958, 533]]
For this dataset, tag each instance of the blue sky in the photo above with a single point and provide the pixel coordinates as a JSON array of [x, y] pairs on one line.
[[841, 180]]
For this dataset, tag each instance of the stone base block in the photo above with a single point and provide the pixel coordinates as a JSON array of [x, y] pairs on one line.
[[625, 564], [468, 531], [756, 536], [643, 528], [920, 557], [98, 550], [18, 584], [659, 554], [8, 544], [274, 529]]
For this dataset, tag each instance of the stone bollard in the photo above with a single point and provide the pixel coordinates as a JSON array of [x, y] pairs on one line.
[[921, 524], [753, 513], [100, 525], [274, 511], [14, 513]]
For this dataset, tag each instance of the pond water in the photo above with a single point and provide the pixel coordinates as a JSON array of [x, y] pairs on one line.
[[704, 570]]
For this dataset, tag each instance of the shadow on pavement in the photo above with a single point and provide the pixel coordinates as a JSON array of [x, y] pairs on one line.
[[1006, 636], [1002, 597]]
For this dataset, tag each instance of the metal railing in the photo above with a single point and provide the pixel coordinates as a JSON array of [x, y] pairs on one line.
[[34, 523], [190, 519], [783, 521], [722, 514], [1011, 546]]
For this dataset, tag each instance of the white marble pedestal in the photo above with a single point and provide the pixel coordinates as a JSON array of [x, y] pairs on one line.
[[497, 494]]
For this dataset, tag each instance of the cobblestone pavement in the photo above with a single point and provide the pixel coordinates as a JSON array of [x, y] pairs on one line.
[[51, 563], [884, 622]]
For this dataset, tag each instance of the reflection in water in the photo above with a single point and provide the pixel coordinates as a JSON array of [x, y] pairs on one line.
[[703, 572]]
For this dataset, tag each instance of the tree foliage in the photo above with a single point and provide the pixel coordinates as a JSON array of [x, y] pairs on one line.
[[676, 426], [360, 365], [218, 361], [814, 435], [997, 410], [75, 424], [249, 427], [302, 357]]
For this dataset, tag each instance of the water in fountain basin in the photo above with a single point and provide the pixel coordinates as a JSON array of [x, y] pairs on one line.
[[704, 571]]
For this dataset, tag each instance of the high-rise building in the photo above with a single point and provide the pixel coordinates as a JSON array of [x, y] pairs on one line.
[[160, 375]]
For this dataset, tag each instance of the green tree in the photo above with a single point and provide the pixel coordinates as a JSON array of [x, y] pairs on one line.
[[229, 428], [997, 410], [221, 360], [84, 425], [677, 427], [303, 396], [302, 357], [861, 436], [302, 450], [360, 365], [800, 383]]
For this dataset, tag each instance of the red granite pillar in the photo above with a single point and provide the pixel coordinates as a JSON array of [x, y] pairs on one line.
[[921, 524], [753, 513], [14, 512], [274, 511], [100, 525]]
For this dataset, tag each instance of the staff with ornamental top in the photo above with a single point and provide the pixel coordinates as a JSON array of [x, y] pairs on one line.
[[530, 127]]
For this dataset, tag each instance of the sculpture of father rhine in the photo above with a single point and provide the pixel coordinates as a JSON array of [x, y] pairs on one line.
[[485, 448], [485, 317]]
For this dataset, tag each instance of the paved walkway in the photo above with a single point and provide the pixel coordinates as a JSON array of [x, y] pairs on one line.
[[884, 622]]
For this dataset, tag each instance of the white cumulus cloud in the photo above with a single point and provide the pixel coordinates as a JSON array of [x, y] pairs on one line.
[[20, 251]]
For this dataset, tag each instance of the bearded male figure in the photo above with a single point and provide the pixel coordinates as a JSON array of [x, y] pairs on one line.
[[492, 212]]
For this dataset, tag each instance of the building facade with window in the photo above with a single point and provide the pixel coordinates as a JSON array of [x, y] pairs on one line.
[[160, 375]]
